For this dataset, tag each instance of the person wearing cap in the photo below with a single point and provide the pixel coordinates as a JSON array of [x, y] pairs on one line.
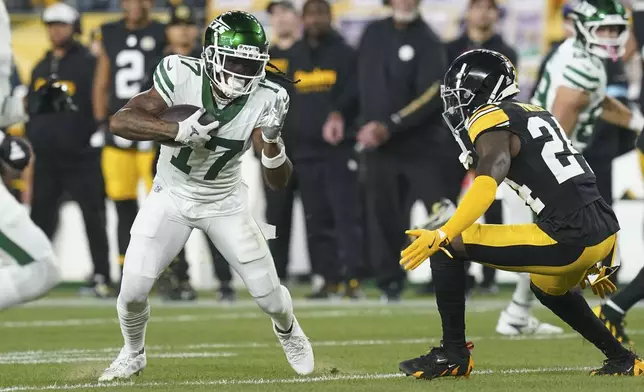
[[410, 154], [325, 105], [481, 20], [130, 50], [66, 161], [182, 32], [286, 30]]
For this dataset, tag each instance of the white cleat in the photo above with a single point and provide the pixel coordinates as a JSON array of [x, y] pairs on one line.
[[297, 348], [509, 325], [124, 366]]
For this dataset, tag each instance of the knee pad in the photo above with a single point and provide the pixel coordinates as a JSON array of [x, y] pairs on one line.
[[135, 289], [276, 302]]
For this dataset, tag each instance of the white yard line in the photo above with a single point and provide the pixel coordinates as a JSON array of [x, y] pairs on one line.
[[186, 318], [106, 354], [40, 360], [261, 381]]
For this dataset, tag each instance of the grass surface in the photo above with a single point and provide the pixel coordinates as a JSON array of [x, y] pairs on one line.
[[64, 343]]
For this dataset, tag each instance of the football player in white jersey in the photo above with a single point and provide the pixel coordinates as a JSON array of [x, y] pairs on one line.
[[27, 264], [573, 88], [199, 185]]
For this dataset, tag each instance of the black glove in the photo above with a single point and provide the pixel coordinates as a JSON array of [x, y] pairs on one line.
[[52, 97], [15, 152]]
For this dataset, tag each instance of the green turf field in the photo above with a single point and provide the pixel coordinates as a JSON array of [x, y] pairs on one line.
[[64, 342]]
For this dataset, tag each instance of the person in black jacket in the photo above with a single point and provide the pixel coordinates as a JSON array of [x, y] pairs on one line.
[[65, 160], [279, 202], [325, 103], [480, 33], [401, 66]]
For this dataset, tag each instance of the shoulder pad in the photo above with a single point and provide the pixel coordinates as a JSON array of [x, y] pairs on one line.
[[486, 117]]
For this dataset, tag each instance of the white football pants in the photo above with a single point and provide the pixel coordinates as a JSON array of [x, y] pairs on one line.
[[27, 262], [160, 230]]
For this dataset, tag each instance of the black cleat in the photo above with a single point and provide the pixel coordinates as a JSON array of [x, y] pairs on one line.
[[438, 363], [353, 291], [628, 365], [226, 294], [614, 324], [328, 291]]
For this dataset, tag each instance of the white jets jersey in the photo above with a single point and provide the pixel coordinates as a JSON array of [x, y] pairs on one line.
[[5, 52], [571, 66], [213, 172]]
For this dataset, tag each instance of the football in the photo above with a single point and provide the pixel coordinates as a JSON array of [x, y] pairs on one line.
[[179, 113]]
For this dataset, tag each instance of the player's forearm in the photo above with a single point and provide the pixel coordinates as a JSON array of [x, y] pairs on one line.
[[276, 178], [619, 114], [474, 204], [136, 124]]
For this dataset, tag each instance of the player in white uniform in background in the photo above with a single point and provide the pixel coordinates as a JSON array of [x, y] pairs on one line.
[[573, 89], [27, 263], [199, 186]]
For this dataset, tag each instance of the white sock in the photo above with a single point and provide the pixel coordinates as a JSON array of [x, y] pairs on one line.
[[133, 319], [613, 305], [522, 298], [284, 321]]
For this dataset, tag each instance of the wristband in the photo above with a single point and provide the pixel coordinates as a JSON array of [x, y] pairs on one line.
[[275, 162], [637, 121], [271, 141]]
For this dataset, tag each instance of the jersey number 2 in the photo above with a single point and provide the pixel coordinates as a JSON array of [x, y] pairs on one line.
[[130, 73], [556, 153], [180, 161]]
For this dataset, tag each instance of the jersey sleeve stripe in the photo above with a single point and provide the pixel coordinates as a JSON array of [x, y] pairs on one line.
[[493, 119], [159, 87], [578, 84], [581, 74], [478, 114], [165, 76]]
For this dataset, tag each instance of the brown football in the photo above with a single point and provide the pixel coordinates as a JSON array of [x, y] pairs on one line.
[[178, 113]]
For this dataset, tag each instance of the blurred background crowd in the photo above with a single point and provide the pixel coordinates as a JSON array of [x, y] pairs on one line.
[[364, 131]]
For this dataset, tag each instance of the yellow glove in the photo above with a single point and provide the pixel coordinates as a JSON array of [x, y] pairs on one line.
[[600, 285], [427, 243]]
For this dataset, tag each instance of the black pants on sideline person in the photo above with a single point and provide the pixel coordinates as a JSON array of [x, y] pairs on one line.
[[82, 180], [279, 213], [333, 213], [393, 185]]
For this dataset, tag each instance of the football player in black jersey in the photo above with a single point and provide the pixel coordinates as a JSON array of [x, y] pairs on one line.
[[572, 241], [612, 313], [131, 49]]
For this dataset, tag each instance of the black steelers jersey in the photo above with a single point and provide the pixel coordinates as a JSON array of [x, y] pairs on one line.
[[548, 173], [133, 55]]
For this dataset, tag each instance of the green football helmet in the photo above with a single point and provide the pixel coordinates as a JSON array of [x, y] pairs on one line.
[[235, 53], [591, 15]]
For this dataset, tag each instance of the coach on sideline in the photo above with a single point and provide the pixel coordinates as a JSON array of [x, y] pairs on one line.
[[401, 64], [65, 161]]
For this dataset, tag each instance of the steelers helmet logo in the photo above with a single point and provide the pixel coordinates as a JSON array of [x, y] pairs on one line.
[[148, 43]]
